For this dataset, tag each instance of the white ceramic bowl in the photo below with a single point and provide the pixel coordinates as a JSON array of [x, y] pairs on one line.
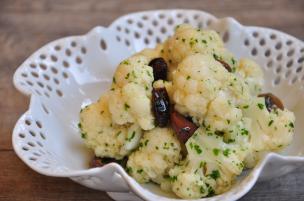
[[67, 73]]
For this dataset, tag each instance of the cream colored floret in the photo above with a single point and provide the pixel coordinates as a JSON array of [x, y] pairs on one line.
[[188, 40], [270, 130], [253, 75], [158, 151], [211, 164], [101, 135], [199, 79], [130, 94]]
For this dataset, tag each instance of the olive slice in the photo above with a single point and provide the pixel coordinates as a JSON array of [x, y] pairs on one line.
[[271, 101], [227, 66], [96, 162], [161, 106], [160, 68], [183, 128], [99, 162]]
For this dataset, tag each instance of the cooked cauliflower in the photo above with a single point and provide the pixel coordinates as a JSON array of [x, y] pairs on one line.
[[188, 40], [253, 75], [130, 94], [198, 80], [211, 164], [222, 113], [104, 137], [270, 130], [159, 150]]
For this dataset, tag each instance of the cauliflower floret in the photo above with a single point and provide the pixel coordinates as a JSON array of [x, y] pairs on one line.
[[188, 40], [158, 151], [131, 93], [105, 138], [189, 182], [198, 80], [252, 74], [135, 69], [222, 113], [270, 130], [211, 164]]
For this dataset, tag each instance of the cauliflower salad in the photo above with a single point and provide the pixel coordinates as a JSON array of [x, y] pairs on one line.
[[186, 115]]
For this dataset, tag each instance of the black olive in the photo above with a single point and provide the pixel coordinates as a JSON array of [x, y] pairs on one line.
[[228, 68], [160, 68], [183, 128], [96, 162], [161, 106], [272, 102], [99, 162]]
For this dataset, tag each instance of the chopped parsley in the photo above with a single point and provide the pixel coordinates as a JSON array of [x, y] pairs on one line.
[[215, 174], [166, 146], [230, 141], [196, 147], [83, 135], [173, 178], [127, 76], [211, 191], [246, 106], [131, 137], [129, 170], [202, 164], [79, 125], [133, 74], [188, 77], [219, 133], [270, 122], [126, 62], [202, 190], [216, 57], [291, 125], [114, 80], [226, 152], [192, 41], [118, 133], [240, 165], [216, 151], [244, 131], [126, 106], [260, 105], [140, 171], [148, 73]]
